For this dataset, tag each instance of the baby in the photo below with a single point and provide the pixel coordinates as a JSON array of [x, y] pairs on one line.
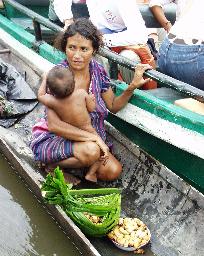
[[72, 106]]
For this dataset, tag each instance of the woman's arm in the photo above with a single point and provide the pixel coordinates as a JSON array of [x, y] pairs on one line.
[[113, 103], [65, 130], [71, 132]]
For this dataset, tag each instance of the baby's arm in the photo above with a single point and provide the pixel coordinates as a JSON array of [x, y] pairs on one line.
[[42, 88], [90, 102], [46, 99]]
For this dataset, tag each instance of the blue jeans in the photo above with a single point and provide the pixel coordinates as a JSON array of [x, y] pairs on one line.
[[109, 31], [183, 62]]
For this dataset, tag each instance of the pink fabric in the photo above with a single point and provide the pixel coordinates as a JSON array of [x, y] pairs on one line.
[[41, 125]]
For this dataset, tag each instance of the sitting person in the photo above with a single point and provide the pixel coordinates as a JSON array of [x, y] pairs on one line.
[[57, 143], [123, 30], [79, 103], [181, 54]]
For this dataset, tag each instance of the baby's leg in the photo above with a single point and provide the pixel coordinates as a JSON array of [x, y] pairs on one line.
[[91, 174]]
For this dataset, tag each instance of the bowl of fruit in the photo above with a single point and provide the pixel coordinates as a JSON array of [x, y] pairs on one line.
[[130, 234]]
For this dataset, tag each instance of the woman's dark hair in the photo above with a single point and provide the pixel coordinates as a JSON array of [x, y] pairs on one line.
[[85, 28]]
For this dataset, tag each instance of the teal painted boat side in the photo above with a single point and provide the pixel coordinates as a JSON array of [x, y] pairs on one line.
[[187, 166], [164, 109], [45, 50]]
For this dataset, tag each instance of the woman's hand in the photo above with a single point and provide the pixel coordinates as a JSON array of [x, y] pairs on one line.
[[138, 79], [116, 103], [104, 148]]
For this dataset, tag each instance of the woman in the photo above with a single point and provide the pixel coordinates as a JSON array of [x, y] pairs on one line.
[[181, 55], [59, 143]]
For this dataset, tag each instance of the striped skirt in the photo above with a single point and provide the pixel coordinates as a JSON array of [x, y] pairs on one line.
[[47, 147]]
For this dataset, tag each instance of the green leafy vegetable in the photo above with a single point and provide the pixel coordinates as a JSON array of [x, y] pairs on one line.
[[102, 202]]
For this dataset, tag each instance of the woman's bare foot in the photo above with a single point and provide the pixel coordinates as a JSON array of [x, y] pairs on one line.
[[69, 178]]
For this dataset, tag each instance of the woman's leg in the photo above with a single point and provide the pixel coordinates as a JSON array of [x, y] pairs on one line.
[[111, 170], [85, 154]]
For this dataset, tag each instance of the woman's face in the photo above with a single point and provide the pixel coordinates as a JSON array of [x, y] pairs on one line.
[[79, 51]]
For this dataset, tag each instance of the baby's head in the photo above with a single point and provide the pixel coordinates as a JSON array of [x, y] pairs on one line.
[[60, 81]]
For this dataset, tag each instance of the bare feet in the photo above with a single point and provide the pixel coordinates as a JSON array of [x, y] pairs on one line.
[[69, 178], [91, 177], [92, 172]]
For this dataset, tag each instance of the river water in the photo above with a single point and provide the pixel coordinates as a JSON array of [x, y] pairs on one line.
[[26, 229]]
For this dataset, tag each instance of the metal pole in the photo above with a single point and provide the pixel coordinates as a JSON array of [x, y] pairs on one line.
[[155, 75], [34, 15], [4, 51], [37, 29]]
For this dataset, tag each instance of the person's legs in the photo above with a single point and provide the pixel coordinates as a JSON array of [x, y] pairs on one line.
[[183, 62], [88, 154], [55, 151], [80, 10], [85, 154], [139, 53], [126, 73]]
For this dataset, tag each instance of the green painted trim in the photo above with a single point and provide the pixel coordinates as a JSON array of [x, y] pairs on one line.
[[51, 54], [12, 12], [164, 109], [185, 165], [27, 39], [16, 31]]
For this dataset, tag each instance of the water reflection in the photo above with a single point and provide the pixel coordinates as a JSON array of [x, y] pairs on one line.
[[26, 228], [15, 231]]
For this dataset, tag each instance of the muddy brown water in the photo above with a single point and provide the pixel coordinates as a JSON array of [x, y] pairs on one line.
[[26, 229]]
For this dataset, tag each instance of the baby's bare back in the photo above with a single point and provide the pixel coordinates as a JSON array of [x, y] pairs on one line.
[[73, 110]]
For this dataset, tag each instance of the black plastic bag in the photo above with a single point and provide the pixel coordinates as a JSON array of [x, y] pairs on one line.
[[16, 96]]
